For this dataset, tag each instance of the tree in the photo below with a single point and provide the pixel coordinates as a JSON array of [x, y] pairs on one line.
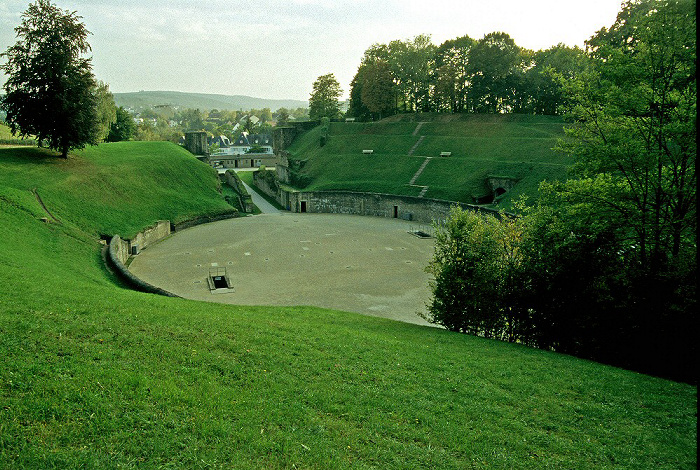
[[635, 117], [50, 91], [106, 110], [411, 63], [378, 90], [550, 67], [324, 98], [634, 143], [495, 63], [475, 267], [282, 117], [451, 74], [357, 108], [123, 128]]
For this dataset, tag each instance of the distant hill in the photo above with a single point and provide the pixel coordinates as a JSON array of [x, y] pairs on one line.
[[203, 101]]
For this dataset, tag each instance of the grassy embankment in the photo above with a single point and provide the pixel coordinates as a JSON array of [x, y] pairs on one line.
[[515, 146], [96, 376]]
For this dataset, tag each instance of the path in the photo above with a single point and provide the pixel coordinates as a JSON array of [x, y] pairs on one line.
[[264, 206]]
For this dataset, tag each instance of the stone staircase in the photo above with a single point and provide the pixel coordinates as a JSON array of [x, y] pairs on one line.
[[420, 170], [415, 146]]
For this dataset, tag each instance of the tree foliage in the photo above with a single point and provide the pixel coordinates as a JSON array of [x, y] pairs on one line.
[[491, 75], [603, 266], [123, 128], [51, 92], [324, 98]]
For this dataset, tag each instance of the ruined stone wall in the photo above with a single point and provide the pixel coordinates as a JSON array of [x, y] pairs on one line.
[[420, 210], [151, 235], [196, 143], [266, 185], [244, 199]]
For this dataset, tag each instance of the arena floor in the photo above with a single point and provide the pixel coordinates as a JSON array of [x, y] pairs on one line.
[[367, 265]]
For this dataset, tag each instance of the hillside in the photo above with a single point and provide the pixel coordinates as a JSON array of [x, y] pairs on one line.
[[202, 101], [97, 376], [516, 147]]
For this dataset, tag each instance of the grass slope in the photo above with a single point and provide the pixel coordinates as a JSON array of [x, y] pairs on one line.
[[96, 376], [516, 146]]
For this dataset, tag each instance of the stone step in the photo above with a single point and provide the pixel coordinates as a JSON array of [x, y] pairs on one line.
[[415, 146], [420, 170]]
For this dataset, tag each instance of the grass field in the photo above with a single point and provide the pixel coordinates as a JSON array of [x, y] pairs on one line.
[[97, 376], [520, 147]]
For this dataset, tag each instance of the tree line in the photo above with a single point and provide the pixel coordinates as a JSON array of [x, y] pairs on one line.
[[462, 75], [604, 265]]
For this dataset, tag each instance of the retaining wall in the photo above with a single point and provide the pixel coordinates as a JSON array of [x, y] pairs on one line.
[[421, 210], [120, 249], [118, 253], [244, 199]]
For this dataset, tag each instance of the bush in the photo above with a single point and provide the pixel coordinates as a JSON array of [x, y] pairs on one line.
[[563, 279]]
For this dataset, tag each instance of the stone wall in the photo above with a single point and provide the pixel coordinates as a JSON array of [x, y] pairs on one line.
[[266, 185], [196, 142], [120, 250], [420, 210], [246, 202], [118, 254], [150, 235]]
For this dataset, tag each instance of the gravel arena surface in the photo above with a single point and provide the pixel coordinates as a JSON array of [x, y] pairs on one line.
[[369, 265]]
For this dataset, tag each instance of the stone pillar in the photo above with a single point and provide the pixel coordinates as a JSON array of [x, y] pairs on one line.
[[196, 143]]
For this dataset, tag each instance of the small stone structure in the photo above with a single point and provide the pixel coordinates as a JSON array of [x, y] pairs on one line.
[[196, 142]]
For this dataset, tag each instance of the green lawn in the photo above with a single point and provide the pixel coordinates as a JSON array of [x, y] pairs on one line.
[[518, 146], [97, 376]]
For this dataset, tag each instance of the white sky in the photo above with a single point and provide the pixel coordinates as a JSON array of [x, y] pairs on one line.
[[276, 49]]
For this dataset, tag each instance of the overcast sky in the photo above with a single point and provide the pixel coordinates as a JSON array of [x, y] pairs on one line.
[[276, 49]]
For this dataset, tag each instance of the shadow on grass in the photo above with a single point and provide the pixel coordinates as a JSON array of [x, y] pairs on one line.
[[29, 155]]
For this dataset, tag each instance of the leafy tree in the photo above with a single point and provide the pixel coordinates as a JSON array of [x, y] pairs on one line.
[[473, 264], [124, 127], [375, 54], [452, 74], [106, 110], [282, 117], [634, 141], [324, 98], [50, 89], [357, 108], [411, 64], [635, 117], [544, 88], [192, 119], [378, 90], [495, 63]]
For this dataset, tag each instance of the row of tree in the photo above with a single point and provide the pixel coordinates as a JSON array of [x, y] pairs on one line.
[[602, 266], [490, 75]]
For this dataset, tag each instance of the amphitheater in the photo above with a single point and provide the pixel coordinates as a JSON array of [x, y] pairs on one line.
[[369, 265]]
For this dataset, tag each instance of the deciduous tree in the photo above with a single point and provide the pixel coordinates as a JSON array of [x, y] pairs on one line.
[[51, 92], [324, 98]]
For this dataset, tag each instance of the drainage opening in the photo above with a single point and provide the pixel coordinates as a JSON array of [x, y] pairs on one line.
[[218, 279], [219, 282]]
